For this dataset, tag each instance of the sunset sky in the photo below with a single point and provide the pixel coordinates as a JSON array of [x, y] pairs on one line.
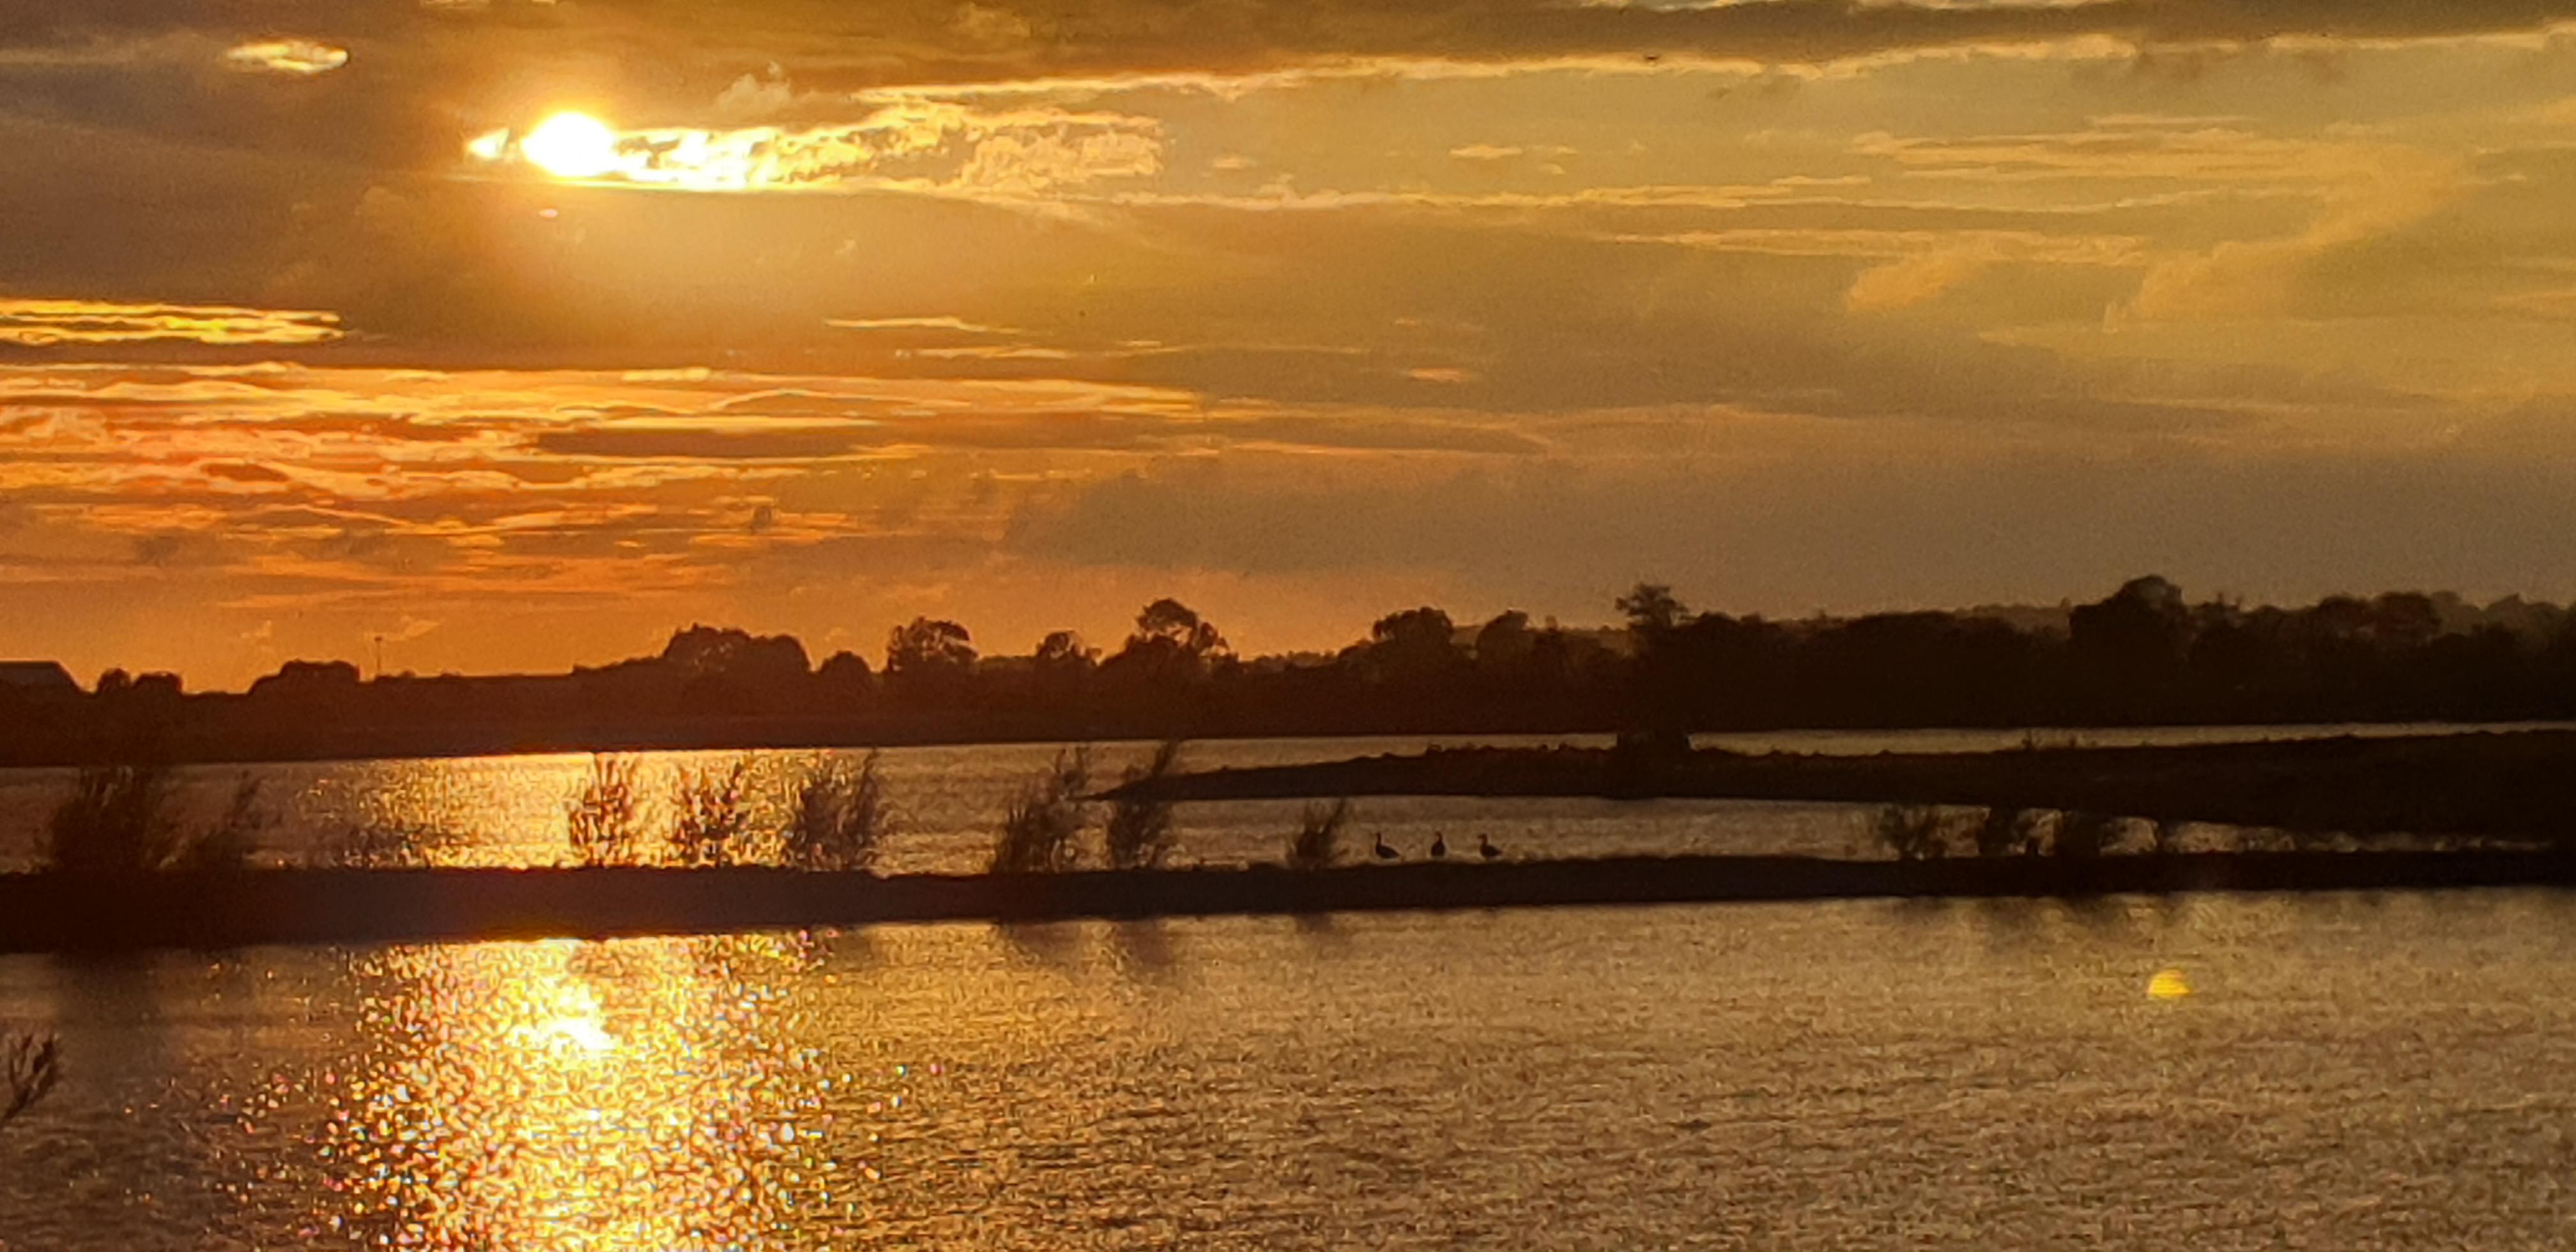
[[521, 332]]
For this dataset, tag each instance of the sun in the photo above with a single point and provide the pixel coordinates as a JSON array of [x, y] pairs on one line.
[[571, 145]]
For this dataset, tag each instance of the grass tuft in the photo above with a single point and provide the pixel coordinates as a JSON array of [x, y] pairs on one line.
[[124, 819], [1914, 832], [841, 817], [1139, 831], [30, 1064], [714, 823], [1044, 822], [1318, 839], [605, 821]]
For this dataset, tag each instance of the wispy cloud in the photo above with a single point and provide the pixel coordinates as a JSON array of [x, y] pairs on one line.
[[958, 325], [919, 146], [50, 323], [301, 58]]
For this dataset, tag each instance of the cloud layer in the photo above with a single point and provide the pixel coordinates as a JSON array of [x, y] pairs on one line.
[[318, 322]]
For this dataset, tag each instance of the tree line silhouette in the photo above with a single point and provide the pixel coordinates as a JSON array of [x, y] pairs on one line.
[[2142, 655]]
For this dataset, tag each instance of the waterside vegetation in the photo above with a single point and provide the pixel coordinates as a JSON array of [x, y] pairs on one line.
[[2145, 654]]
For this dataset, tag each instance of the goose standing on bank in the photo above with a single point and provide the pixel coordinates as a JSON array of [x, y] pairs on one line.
[[1439, 845], [1384, 853], [1486, 849]]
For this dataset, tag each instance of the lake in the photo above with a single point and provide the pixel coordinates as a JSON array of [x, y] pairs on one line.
[[510, 811], [2349, 1072]]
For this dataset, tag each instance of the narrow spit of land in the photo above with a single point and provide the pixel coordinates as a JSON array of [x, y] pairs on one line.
[[2516, 786], [247, 908], [2503, 802]]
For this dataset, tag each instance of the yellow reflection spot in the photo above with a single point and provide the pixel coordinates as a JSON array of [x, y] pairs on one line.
[[584, 1033], [491, 145], [2168, 984], [571, 145]]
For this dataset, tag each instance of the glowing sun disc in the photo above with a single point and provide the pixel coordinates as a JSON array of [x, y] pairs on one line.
[[571, 145]]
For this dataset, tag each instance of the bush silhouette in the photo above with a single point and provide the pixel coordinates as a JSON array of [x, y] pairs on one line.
[[1139, 831], [1044, 822], [840, 818]]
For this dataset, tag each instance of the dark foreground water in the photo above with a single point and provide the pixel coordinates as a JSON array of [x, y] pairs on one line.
[[2218, 1072]]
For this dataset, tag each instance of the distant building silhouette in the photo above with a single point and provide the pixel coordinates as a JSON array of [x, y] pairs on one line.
[[38, 676]]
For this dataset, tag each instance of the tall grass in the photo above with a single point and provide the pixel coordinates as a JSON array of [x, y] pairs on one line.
[[1041, 830], [1912, 831], [840, 818], [1138, 834], [713, 823], [124, 818], [29, 1066], [381, 843], [235, 835], [1318, 839], [605, 820]]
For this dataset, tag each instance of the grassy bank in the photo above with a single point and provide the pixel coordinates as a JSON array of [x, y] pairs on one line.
[[243, 908], [2517, 786]]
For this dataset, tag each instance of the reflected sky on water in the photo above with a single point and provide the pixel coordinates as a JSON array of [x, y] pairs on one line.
[[2353, 1071]]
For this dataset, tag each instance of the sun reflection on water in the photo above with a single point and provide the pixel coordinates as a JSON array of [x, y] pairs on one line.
[[577, 1096]]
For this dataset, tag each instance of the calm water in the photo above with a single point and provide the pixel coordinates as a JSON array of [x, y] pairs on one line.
[[2348, 1072], [509, 811]]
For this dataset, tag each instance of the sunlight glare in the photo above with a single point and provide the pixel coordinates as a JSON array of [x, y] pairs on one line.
[[571, 145]]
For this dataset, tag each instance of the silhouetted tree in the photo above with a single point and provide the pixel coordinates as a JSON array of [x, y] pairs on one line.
[[1504, 644], [1651, 610], [844, 676], [1063, 650], [2132, 645], [930, 655], [1171, 649], [737, 671], [759, 660], [1415, 646]]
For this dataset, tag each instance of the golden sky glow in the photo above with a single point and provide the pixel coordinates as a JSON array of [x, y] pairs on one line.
[[525, 332]]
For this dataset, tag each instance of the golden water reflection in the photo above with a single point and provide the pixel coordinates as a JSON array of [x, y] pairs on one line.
[[578, 1096]]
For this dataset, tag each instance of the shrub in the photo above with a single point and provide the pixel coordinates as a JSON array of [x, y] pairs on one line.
[[1139, 831], [29, 1066], [229, 842], [123, 819], [2007, 832], [604, 821], [1040, 829], [1912, 831], [1319, 835], [840, 817], [712, 826], [2085, 834]]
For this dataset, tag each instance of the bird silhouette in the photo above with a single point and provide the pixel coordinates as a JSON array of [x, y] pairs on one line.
[[1384, 853], [1439, 845], [1486, 849]]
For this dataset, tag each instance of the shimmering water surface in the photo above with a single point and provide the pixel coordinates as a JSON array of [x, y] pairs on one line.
[[510, 811], [2347, 1072]]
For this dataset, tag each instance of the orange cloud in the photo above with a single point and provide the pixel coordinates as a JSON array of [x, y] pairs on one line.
[[921, 146], [47, 323], [300, 58]]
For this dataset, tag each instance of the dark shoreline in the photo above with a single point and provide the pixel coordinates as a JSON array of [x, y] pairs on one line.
[[41, 913], [2511, 786], [71, 746]]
